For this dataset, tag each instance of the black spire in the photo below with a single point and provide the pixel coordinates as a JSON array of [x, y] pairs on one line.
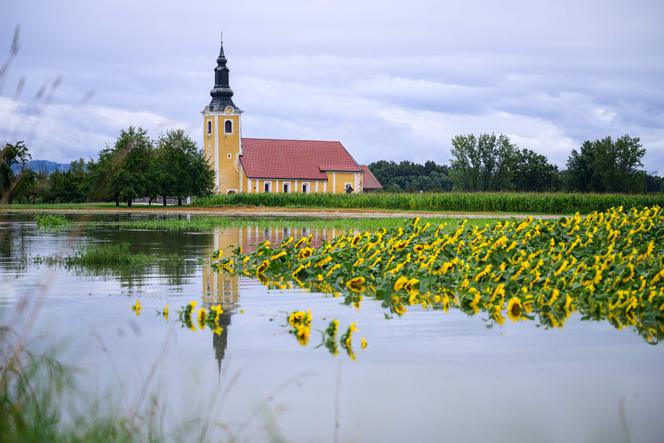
[[221, 93]]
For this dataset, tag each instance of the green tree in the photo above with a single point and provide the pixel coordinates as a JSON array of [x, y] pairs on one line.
[[182, 169], [533, 172], [412, 177], [69, 186], [654, 183], [484, 163], [11, 156], [100, 174], [605, 165], [25, 188], [130, 162]]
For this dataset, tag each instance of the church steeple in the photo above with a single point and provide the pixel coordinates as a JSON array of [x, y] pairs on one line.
[[221, 93]]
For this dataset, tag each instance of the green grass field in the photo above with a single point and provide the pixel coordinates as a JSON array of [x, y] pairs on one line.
[[206, 224]]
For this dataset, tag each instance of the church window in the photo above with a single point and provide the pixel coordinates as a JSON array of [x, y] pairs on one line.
[[267, 186], [228, 127], [305, 187], [228, 156], [286, 188], [209, 127]]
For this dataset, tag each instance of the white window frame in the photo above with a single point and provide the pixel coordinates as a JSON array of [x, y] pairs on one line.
[[232, 128], [308, 187], [346, 186], [285, 188], [268, 185], [209, 127]]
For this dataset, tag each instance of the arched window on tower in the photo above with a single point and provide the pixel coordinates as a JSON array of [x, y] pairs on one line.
[[209, 127], [228, 127]]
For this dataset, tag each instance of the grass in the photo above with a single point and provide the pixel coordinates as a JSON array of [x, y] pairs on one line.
[[37, 393], [549, 203], [207, 224], [102, 256], [51, 221], [39, 206]]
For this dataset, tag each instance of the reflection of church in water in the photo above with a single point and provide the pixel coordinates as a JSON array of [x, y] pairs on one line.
[[222, 288]]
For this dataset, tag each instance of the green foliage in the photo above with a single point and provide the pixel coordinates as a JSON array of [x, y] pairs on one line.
[[607, 266], [180, 168], [51, 221], [207, 224], [411, 177], [551, 203], [133, 168], [116, 256], [12, 155], [534, 173], [36, 391], [131, 161], [68, 186], [484, 163], [607, 166]]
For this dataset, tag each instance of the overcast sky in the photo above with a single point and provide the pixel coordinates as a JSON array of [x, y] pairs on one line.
[[391, 80]]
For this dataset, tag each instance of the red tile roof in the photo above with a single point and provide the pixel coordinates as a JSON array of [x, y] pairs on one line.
[[370, 180], [294, 159]]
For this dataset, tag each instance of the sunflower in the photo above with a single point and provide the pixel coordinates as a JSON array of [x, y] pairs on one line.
[[202, 317], [356, 284], [514, 308], [302, 334], [278, 256], [397, 306], [305, 253], [399, 283], [411, 284], [262, 267]]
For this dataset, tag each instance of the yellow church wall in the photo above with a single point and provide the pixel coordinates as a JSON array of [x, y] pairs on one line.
[[208, 140], [229, 151], [277, 185], [340, 179]]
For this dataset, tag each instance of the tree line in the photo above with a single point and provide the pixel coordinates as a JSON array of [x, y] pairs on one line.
[[494, 163], [135, 166]]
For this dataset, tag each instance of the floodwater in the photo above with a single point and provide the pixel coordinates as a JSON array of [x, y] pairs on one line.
[[426, 376]]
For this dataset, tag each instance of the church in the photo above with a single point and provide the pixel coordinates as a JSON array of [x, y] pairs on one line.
[[254, 165]]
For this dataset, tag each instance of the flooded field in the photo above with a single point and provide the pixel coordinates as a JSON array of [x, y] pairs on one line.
[[426, 376]]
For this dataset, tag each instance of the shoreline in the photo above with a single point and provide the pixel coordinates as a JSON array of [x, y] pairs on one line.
[[277, 212]]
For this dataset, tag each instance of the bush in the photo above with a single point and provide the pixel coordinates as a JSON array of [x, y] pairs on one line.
[[51, 221]]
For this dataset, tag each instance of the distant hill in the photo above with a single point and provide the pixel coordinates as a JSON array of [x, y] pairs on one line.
[[44, 166]]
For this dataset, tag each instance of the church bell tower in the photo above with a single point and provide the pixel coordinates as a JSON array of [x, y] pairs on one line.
[[221, 131]]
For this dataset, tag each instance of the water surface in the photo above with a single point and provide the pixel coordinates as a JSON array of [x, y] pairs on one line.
[[426, 376]]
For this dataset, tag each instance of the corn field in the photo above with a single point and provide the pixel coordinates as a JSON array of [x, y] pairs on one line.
[[549, 203]]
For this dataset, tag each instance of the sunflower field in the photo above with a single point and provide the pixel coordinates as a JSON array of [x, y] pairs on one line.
[[605, 265]]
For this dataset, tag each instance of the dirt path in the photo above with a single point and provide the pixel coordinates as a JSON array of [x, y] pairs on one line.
[[254, 211]]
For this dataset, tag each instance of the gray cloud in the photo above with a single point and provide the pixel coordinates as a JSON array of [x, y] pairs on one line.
[[392, 80]]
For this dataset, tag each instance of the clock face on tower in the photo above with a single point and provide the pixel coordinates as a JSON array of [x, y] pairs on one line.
[[228, 110]]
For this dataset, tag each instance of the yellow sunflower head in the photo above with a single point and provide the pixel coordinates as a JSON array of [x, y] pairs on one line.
[[514, 309], [356, 284]]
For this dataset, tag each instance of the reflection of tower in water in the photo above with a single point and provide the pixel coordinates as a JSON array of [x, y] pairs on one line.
[[223, 288]]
